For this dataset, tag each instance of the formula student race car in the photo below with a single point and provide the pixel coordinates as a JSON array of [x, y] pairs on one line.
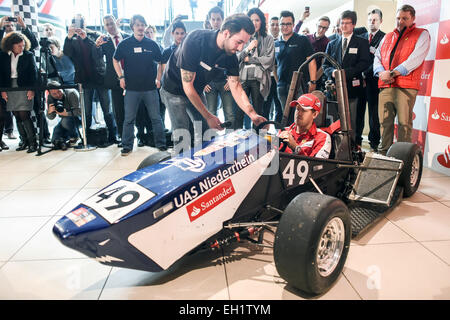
[[240, 185]]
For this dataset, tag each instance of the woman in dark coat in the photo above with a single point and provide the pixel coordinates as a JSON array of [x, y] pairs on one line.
[[18, 69]]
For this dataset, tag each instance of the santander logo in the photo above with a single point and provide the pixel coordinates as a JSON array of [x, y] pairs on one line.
[[444, 39], [435, 115], [211, 200], [444, 159]]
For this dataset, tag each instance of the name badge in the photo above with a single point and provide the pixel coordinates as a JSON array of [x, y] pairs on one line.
[[205, 66], [353, 50], [277, 49], [373, 50], [138, 50], [293, 45], [356, 83]]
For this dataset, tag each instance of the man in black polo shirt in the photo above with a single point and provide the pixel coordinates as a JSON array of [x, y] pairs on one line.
[[203, 55], [140, 56], [291, 51]]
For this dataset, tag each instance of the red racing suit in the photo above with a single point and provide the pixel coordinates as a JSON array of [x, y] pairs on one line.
[[314, 143]]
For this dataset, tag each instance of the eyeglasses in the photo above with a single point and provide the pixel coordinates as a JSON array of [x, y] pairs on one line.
[[288, 24], [322, 27]]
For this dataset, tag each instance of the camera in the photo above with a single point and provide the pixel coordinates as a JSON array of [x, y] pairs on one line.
[[44, 43], [59, 106], [11, 19], [78, 23]]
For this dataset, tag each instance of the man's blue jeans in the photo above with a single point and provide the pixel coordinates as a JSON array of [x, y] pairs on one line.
[[66, 129], [181, 112], [132, 101], [212, 97], [105, 103]]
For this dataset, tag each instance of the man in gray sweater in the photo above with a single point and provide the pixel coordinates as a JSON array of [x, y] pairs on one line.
[[65, 104]]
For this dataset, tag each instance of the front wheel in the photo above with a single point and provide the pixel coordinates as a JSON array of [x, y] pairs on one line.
[[312, 242], [412, 158], [154, 159]]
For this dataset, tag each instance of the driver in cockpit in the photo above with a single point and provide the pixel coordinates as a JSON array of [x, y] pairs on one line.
[[303, 137]]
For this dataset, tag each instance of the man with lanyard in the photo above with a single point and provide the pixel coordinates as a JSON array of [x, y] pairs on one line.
[[352, 53], [291, 51], [108, 43], [399, 63], [303, 137], [204, 54], [140, 56], [374, 35]]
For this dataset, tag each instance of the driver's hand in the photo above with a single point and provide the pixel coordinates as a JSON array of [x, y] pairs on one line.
[[288, 138]]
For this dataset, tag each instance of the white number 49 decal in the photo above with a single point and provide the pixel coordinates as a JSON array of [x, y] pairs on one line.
[[291, 172], [119, 199]]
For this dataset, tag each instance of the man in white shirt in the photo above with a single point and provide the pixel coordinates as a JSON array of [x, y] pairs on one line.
[[109, 42]]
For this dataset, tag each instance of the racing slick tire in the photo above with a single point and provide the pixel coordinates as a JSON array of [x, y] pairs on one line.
[[153, 159], [412, 158], [312, 242]]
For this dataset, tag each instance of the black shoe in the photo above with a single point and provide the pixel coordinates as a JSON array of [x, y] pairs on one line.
[[3, 146], [164, 148], [106, 144], [22, 147], [120, 145], [32, 148], [63, 146], [126, 152], [140, 143]]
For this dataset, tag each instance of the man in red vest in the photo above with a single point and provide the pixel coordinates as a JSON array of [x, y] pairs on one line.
[[398, 64]]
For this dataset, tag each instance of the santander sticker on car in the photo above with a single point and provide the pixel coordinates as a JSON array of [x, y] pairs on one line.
[[210, 200]]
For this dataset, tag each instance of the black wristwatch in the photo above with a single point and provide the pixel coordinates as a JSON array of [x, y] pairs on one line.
[[121, 77], [313, 81], [392, 74]]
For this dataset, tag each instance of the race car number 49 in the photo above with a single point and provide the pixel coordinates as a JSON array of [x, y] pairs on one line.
[[118, 200]]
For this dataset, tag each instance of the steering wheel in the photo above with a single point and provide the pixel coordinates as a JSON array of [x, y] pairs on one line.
[[277, 125]]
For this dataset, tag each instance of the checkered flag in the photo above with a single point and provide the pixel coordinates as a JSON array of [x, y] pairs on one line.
[[28, 10]]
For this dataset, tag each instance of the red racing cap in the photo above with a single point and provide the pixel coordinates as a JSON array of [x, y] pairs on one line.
[[308, 101]]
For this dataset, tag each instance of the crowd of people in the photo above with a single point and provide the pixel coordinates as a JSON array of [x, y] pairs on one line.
[[242, 64]]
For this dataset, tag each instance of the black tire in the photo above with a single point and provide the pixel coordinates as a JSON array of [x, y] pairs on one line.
[[408, 153], [298, 238], [153, 159]]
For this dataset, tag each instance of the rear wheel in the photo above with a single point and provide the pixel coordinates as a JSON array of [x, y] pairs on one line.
[[153, 159], [312, 242], [412, 158]]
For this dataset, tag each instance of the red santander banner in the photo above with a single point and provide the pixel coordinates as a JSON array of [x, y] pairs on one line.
[[432, 109]]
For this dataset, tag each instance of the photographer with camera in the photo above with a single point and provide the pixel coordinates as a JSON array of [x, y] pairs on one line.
[[65, 104], [9, 24], [90, 68]]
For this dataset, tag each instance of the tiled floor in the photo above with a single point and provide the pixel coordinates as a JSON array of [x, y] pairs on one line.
[[404, 256]]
